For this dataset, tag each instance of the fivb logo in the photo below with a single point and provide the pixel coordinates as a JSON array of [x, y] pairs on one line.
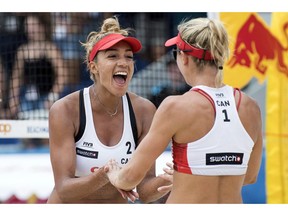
[[87, 144], [219, 95], [227, 158]]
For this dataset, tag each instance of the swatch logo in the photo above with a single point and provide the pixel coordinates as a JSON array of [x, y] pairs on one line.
[[227, 158], [86, 153]]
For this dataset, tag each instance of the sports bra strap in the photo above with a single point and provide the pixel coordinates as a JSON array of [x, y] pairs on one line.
[[133, 121], [240, 96], [82, 116], [200, 91]]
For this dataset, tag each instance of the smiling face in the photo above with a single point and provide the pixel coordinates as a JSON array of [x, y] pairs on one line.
[[113, 68]]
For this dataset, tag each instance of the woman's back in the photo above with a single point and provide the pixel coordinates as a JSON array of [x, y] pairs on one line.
[[206, 189], [197, 117], [216, 132]]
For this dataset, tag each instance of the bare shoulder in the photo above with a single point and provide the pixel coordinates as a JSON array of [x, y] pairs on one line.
[[65, 109], [192, 101], [186, 112], [250, 115], [249, 105], [144, 111], [141, 104]]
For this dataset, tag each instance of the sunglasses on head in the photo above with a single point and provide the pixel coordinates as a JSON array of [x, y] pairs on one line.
[[174, 52]]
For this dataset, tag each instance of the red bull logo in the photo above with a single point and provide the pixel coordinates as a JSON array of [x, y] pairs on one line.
[[255, 39]]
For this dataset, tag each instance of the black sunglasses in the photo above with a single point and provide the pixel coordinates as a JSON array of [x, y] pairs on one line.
[[174, 52]]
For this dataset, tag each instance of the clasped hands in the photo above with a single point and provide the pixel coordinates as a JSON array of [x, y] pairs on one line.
[[112, 169]]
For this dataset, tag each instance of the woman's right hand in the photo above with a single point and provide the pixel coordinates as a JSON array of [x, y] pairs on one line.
[[112, 169]]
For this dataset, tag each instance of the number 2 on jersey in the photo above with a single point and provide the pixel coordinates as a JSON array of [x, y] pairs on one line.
[[129, 147]]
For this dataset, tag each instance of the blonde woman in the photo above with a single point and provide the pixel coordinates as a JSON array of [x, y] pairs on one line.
[[216, 129]]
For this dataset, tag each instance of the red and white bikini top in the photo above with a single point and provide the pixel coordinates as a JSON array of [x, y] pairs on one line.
[[225, 149]]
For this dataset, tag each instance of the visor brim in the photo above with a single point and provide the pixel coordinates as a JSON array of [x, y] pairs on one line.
[[171, 42]]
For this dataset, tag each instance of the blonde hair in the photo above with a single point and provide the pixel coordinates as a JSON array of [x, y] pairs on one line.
[[109, 26], [210, 35]]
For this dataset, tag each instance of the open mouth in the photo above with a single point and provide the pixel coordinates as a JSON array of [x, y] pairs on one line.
[[120, 77]]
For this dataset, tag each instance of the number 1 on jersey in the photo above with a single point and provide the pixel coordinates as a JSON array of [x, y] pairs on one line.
[[226, 119]]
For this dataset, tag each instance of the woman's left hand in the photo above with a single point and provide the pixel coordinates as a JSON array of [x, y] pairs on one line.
[[168, 175], [131, 195]]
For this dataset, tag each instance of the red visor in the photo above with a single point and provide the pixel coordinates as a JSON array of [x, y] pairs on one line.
[[110, 40], [182, 45]]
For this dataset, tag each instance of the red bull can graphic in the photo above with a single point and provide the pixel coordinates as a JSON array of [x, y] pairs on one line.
[[255, 39]]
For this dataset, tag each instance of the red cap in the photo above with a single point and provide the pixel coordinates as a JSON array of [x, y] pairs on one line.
[[193, 51], [110, 40]]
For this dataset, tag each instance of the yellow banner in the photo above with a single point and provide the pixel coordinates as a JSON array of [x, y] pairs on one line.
[[277, 115], [260, 51], [247, 45]]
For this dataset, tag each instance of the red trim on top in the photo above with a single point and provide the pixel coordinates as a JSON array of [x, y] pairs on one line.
[[240, 97], [180, 160], [206, 96]]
